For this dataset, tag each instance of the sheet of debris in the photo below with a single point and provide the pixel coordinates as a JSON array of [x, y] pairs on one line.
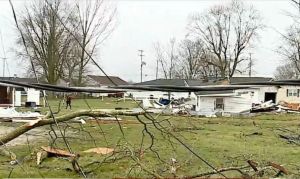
[[264, 107], [9, 113]]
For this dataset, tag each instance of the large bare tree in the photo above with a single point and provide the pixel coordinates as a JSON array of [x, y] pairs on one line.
[[59, 35], [227, 31], [95, 23], [286, 71], [47, 41], [194, 61], [167, 58], [290, 48]]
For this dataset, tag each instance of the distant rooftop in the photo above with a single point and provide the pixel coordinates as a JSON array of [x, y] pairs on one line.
[[249, 79], [104, 81], [211, 81], [19, 79]]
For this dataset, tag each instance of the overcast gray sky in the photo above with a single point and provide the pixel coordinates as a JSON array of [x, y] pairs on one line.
[[142, 23]]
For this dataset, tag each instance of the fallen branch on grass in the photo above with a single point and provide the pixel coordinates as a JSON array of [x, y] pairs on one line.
[[48, 120], [291, 136], [179, 129], [238, 169], [291, 139]]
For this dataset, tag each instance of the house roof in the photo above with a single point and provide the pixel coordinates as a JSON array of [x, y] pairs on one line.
[[104, 81], [212, 93], [167, 82], [249, 79], [212, 81], [18, 79], [177, 82]]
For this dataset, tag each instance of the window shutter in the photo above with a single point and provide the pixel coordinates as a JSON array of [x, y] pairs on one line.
[[298, 93], [287, 92]]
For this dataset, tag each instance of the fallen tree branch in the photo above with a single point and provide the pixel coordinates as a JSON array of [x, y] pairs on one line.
[[238, 169], [48, 121], [290, 138]]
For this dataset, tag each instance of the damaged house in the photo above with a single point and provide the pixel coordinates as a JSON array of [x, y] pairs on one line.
[[259, 90], [139, 95], [235, 101]]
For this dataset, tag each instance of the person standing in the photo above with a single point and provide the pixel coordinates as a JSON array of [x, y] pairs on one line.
[[69, 101]]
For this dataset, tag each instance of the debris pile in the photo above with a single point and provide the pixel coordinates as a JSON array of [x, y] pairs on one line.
[[264, 107], [9, 113], [281, 107]]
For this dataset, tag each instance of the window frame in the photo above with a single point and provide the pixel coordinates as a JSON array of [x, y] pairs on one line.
[[292, 92], [218, 104]]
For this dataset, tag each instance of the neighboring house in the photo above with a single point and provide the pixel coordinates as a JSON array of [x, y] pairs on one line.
[[103, 82], [32, 95], [8, 95], [289, 94], [234, 101]]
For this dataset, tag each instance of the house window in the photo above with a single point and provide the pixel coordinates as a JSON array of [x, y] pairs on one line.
[[219, 103], [292, 92]]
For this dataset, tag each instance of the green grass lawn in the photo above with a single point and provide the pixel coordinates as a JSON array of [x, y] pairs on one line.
[[223, 142]]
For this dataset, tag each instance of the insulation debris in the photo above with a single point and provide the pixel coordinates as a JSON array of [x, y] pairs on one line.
[[12, 113]]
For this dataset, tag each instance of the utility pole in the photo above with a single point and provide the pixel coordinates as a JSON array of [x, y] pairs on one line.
[[250, 65], [142, 63]]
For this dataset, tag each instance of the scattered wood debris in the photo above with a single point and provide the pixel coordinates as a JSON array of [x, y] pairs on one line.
[[279, 167], [40, 156], [100, 150], [52, 152], [179, 129], [58, 152], [254, 133], [253, 165]]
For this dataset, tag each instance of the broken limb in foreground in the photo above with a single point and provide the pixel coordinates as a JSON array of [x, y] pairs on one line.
[[48, 120]]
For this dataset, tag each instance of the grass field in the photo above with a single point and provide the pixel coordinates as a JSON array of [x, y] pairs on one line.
[[223, 142]]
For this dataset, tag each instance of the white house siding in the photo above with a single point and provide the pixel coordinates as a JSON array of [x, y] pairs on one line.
[[17, 98], [257, 94], [237, 104], [232, 104], [239, 101], [267, 89], [33, 95], [282, 94], [253, 95], [206, 104]]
